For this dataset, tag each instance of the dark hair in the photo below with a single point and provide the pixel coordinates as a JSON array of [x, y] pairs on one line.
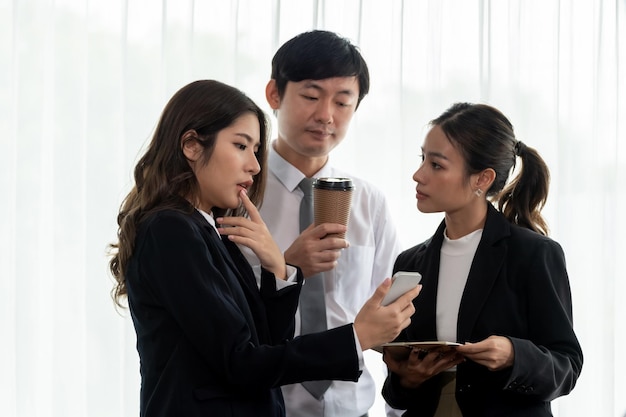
[[317, 55], [485, 139], [163, 175]]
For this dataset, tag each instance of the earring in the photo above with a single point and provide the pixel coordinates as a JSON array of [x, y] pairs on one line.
[[478, 192]]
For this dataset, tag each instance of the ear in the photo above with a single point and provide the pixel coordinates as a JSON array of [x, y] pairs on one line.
[[190, 146], [484, 179], [271, 94]]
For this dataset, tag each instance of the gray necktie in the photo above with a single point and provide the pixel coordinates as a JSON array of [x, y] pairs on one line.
[[312, 304]]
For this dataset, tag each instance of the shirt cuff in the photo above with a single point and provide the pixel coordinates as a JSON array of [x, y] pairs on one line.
[[292, 275], [359, 350]]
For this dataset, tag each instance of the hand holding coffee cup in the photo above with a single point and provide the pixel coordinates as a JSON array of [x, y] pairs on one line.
[[331, 201]]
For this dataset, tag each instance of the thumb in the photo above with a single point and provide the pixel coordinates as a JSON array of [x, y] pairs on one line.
[[381, 291]]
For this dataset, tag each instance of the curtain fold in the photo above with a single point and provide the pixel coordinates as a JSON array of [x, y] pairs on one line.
[[82, 84]]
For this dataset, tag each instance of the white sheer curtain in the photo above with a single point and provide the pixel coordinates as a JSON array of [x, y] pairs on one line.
[[81, 87]]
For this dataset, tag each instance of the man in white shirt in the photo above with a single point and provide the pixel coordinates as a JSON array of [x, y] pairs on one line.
[[318, 81]]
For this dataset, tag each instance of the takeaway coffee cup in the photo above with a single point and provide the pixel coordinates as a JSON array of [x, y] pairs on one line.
[[331, 201]]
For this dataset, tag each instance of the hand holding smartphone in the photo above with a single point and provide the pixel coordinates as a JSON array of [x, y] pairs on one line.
[[402, 281]]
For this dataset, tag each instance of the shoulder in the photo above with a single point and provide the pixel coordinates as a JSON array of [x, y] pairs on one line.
[[168, 218], [527, 239], [170, 227], [413, 255], [499, 229], [524, 248]]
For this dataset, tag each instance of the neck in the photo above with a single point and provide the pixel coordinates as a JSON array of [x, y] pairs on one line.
[[462, 223], [198, 205], [308, 165]]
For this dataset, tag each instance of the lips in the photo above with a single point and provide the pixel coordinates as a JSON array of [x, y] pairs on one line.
[[246, 185], [419, 194], [320, 132]]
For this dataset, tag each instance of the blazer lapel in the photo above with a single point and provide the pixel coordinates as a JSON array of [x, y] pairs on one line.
[[251, 290], [245, 274], [425, 316], [216, 241], [488, 261], [231, 272]]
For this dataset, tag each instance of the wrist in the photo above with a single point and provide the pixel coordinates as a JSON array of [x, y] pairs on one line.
[[280, 272], [362, 338]]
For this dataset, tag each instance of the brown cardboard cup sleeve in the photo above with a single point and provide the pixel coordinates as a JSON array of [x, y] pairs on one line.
[[332, 198]]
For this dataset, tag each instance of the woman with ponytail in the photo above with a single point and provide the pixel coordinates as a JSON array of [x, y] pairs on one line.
[[492, 279]]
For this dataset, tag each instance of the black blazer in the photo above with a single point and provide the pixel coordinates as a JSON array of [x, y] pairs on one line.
[[517, 287], [209, 342]]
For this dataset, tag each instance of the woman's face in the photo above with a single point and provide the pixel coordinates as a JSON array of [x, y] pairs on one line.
[[232, 164], [441, 182]]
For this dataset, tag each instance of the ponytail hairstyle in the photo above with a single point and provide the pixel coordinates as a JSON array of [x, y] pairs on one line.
[[485, 139], [163, 176]]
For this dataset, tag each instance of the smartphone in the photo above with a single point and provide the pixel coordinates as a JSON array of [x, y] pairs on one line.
[[402, 281]]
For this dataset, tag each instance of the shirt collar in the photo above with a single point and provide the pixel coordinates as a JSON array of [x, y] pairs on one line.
[[289, 175], [209, 218]]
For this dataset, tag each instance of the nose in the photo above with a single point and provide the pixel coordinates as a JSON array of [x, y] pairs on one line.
[[253, 166], [324, 112], [417, 177]]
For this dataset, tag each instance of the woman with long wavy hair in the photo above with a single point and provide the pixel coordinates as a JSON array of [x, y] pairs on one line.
[[212, 340]]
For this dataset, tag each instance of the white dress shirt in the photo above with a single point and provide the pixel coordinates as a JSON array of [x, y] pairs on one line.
[[361, 267]]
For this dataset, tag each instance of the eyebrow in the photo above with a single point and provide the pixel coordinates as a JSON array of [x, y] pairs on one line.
[[315, 86], [435, 155], [248, 139]]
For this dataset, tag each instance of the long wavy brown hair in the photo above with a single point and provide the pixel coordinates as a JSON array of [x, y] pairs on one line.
[[485, 138], [163, 175]]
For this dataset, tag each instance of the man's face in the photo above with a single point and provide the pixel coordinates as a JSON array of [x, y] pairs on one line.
[[313, 115]]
